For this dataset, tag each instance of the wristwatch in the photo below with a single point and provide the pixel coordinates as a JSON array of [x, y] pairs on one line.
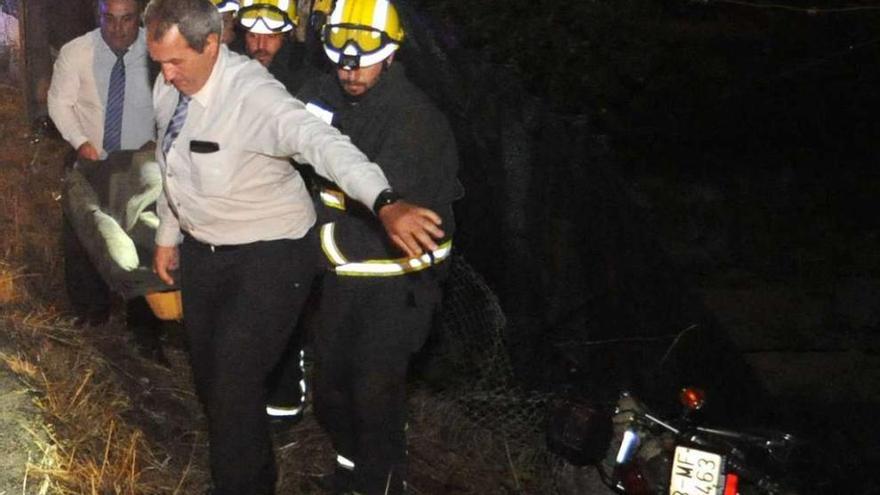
[[385, 198]]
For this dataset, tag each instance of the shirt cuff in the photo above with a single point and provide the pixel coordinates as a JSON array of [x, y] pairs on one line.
[[368, 189], [78, 141], [168, 235]]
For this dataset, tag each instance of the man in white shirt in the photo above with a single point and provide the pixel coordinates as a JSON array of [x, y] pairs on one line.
[[100, 100], [77, 97], [249, 253]]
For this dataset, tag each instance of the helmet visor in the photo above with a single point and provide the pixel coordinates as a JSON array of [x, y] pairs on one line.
[[268, 17], [366, 38]]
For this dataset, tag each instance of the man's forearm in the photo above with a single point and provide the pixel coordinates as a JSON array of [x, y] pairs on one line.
[[330, 152], [168, 232], [68, 125]]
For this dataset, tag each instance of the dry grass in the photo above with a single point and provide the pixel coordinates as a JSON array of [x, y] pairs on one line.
[[30, 185], [12, 289], [92, 445]]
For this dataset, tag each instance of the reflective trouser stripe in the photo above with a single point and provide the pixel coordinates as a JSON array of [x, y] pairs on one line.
[[282, 411], [378, 268], [302, 381], [344, 462]]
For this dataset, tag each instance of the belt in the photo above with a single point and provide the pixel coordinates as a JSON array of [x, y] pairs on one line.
[[214, 248]]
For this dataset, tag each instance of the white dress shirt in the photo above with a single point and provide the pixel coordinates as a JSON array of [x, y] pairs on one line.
[[247, 190], [78, 92]]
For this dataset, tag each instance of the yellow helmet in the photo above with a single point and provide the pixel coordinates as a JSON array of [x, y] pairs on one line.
[[360, 33], [325, 6], [267, 16], [226, 5], [318, 11]]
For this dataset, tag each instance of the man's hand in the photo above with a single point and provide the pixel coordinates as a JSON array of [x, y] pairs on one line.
[[148, 146], [165, 259], [87, 152], [412, 228]]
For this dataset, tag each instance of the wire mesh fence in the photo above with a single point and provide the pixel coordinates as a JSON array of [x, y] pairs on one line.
[[483, 407]]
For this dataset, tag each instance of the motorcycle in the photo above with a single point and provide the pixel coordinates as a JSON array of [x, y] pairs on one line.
[[637, 452]]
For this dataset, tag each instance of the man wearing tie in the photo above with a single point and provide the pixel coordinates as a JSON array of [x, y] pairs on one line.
[[100, 100], [237, 220]]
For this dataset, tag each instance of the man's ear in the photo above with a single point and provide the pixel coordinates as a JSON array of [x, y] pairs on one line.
[[389, 60], [212, 44]]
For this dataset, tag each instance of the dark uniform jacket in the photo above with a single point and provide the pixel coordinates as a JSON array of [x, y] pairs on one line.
[[291, 67], [399, 128]]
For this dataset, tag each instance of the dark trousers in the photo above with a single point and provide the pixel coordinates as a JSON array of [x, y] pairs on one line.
[[369, 328], [86, 290], [241, 306]]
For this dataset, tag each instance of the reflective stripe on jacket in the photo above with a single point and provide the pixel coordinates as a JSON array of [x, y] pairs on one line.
[[378, 268]]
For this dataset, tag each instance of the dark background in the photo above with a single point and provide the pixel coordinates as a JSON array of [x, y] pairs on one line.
[[619, 155], [637, 168]]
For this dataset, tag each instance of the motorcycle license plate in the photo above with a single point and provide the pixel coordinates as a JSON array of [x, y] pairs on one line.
[[695, 472]]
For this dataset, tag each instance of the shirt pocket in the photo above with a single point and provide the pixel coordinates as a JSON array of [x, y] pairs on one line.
[[212, 172]]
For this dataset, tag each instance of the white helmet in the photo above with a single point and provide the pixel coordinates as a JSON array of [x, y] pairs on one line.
[[226, 5], [267, 16]]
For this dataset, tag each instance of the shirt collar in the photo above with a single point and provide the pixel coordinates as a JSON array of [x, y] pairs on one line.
[[204, 95]]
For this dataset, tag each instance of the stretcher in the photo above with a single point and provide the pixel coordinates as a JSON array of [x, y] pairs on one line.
[[111, 205]]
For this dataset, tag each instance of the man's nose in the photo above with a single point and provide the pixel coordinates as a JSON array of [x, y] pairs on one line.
[[168, 72]]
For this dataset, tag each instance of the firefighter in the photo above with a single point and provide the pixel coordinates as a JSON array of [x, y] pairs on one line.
[[228, 10], [377, 303], [268, 27]]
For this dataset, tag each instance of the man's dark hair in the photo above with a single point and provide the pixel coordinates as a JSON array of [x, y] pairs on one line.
[[195, 19]]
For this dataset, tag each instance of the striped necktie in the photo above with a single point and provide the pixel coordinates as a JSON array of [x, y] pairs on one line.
[[115, 101], [176, 123]]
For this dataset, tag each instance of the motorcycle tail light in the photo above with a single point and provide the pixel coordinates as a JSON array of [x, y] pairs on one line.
[[692, 398], [731, 484]]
